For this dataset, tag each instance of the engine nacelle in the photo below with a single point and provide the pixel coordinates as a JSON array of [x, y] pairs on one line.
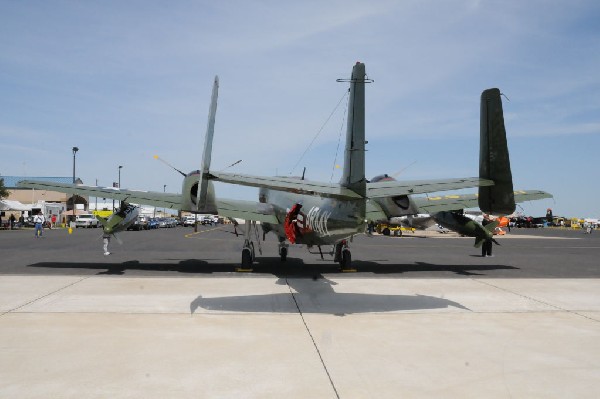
[[189, 195], [419, 221], [399, 205]]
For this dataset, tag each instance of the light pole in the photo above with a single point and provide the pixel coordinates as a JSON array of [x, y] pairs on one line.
[[120, 167], [164, 191], [75, 149]]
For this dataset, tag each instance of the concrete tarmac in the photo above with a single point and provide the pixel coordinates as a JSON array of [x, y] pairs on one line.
[[424, 316]]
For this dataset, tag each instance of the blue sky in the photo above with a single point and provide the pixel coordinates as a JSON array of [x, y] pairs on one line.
[[124, 81]]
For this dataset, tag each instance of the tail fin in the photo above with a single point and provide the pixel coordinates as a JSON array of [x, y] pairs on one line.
[[494, 162], [489, 233], [203, 202], [353, 176]]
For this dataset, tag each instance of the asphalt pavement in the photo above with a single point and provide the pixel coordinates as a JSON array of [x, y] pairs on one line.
[[216, 250], [166, 315]]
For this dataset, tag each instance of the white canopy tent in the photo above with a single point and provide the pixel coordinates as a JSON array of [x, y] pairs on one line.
[[10, 205]]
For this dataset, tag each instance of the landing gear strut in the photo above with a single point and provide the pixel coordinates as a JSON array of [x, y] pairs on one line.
[[248, 255], [283, 250]]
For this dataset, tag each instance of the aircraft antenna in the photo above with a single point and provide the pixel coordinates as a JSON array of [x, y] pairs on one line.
[[337, 149], [403, 169], [169, 165], [319, 132], [233, 164]]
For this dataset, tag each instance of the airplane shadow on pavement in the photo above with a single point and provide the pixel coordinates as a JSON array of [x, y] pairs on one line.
[[317, 295], [309, 290], [267, 265]]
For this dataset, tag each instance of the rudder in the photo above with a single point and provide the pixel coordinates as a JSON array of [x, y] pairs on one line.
[[494, 161], [353, 176]]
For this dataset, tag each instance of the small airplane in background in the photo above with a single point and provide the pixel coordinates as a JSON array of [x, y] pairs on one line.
[[300, 211], [120, 220], [448, 211]]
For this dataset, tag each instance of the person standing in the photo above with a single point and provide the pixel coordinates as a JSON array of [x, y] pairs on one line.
[[106, 242], [38, 220], [12, 221]]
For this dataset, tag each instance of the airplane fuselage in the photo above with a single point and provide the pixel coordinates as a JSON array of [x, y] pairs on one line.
[[313, 220]]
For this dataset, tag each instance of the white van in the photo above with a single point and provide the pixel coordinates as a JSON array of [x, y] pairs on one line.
[[86, 220], [189, 220]]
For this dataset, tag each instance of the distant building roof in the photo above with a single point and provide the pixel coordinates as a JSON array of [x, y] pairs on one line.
[[10, 182]]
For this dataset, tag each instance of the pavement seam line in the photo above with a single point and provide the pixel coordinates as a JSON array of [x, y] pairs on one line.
[[44, 296], [312, 339], [537, 300], [191, 235]]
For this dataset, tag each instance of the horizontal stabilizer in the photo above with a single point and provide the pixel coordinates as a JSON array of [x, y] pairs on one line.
[[287, 184], [453, 202], [390, 188]]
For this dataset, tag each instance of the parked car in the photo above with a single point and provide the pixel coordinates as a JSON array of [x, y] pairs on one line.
[[209, 219], [86, 220], [141, 223], [167, 222], [152, 223]]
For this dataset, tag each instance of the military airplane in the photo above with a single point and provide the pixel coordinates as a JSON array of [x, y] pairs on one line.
[[120, 220], [315, 213], [448, 211]]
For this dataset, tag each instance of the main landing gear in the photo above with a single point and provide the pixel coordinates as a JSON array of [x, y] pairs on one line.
[[283, 250], [248, 254], [343, 256]]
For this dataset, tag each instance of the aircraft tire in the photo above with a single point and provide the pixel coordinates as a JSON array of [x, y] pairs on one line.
[[246, 258], [283, 254], [346, 261]]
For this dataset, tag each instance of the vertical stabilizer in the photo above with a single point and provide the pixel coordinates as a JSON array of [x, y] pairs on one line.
[[203, 183], [494, 162], [353, 176]]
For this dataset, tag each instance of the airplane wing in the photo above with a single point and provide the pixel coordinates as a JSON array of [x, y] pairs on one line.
[[374, 190], [374, 212], [393, 188], [247, 210], [456, 202], [287, 184], [163, 200]]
